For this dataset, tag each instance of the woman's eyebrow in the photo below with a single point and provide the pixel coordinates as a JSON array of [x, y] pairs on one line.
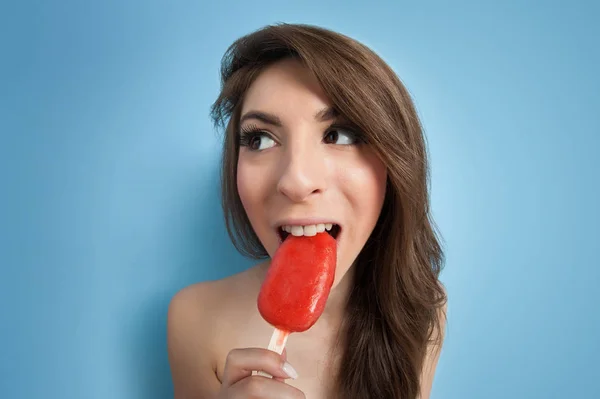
[[263, 117], [324, 115]]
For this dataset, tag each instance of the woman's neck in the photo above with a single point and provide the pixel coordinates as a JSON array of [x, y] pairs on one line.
[[335, 309]]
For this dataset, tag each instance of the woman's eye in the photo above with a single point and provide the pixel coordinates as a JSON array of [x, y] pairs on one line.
[[340, 136], [260, 141]]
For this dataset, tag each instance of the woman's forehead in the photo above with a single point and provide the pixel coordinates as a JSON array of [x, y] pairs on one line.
[[287, 90]]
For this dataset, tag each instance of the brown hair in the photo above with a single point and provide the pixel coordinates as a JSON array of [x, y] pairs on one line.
[[393, 311]]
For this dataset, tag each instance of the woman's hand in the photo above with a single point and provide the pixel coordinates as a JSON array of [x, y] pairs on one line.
[[239, 383]]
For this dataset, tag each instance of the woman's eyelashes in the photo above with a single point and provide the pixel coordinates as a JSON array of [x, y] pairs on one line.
[[342, 135], [257, 139]]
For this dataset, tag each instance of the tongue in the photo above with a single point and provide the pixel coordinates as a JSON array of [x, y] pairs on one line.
[[297, 285]]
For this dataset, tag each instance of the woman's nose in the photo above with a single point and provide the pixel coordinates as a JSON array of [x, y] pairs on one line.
[[303, 173]]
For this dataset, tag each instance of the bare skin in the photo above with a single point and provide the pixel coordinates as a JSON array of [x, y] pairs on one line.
[[209, 320], [309, 171]]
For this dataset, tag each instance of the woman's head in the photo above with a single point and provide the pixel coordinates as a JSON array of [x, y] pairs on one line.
[[317, 125], [302, 165], [292, 72]]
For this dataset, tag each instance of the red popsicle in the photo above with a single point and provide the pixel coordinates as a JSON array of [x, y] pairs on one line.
[[297, 285]]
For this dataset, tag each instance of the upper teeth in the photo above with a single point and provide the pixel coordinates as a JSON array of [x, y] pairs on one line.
[[308, 230]]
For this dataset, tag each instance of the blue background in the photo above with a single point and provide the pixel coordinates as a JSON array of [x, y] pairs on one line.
[[109, 205]]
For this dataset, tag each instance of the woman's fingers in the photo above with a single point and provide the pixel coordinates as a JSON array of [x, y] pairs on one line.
[[239, 383], [284, 358], [241, 362], [263, 388]]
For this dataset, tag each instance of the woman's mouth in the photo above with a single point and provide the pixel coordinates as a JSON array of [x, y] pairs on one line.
[[308, 230]]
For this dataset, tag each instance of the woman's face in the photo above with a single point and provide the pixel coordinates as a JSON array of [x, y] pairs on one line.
[[298, 165]]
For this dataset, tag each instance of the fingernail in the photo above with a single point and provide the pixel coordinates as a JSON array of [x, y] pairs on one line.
[[289, 370]]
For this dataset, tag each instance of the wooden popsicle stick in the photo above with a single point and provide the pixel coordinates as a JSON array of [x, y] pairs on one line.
[[277, 344]]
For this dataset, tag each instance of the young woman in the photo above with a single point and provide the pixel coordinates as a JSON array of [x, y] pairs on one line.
[[319, 134]]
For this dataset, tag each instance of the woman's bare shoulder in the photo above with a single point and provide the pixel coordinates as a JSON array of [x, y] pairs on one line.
[[197, 317]]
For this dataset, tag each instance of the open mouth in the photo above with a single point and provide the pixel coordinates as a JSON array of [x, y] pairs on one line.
[[285, 231]]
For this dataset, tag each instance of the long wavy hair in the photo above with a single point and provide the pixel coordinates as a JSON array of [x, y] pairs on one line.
[[393, 310]]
